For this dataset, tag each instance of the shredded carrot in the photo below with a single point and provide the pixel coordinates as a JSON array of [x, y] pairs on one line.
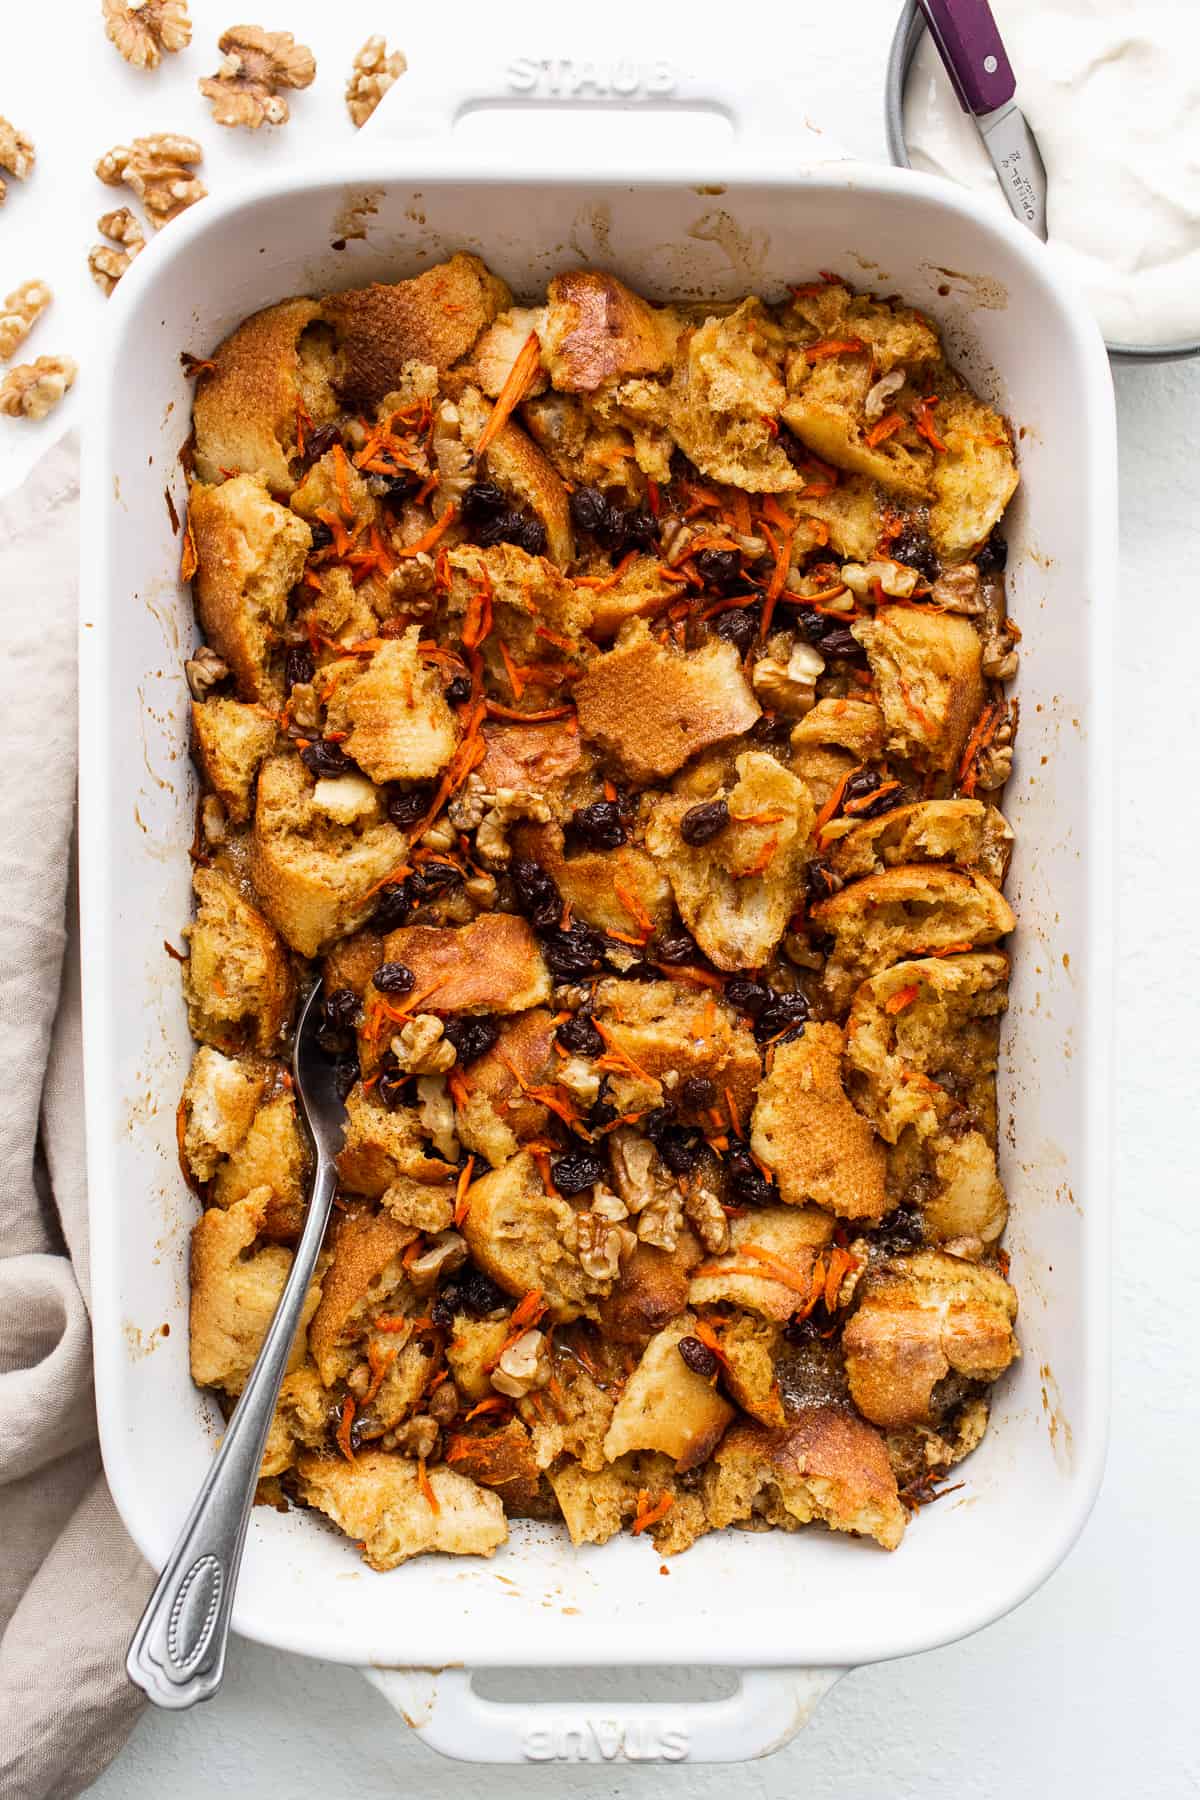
[[343, 1431], [518, 679], [496, 711], [188, 560], [735, 1122], [853, 807], [380, 1361], [462, 1205], [903, 997], [762, 861], [831, 805], [923, 420], [426, 1488], [708, 1337], [649, 1514], [516, 385], [986, 727], [434, 534], [599, 583], [392, 1322], [886, 428], [693, 977], [633, 907], [833, 347]]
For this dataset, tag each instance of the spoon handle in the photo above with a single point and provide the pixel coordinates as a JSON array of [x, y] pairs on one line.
[[177, 1655]]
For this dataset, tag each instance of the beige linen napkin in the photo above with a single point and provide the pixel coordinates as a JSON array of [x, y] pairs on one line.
[[71, 1582]]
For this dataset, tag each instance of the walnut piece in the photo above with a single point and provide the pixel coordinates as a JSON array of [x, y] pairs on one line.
[[205, 671], [421, 1048], [143, 29], [256, 64], [21, 309], [16, 155], [32, 390], [158, 169], [522, 1366], [373, 73], [108, 265]]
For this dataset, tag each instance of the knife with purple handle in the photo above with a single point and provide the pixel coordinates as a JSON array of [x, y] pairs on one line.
[[976, 61]]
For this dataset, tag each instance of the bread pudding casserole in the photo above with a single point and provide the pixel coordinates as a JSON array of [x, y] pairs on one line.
[[607, 702]]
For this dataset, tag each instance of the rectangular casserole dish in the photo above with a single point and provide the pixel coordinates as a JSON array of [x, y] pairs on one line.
[[748, 218]]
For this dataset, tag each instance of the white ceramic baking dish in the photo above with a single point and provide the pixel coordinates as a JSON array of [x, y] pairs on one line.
[[792, 1612]]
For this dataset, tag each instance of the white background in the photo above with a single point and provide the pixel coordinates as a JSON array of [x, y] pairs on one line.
[[1091, 1687]]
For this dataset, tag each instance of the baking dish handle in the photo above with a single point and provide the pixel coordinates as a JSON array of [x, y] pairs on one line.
[[769, 1707]]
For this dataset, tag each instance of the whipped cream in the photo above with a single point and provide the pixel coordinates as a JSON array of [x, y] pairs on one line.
[[1112, 93]]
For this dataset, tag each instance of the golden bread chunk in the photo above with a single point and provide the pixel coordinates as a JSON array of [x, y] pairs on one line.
[[928, 674], [392, 708], [641, 591], [595, 1504], [671, 1033], [217, 1109], [531, 758], [666, 1406], [273, 1155], [616, 890], [419, 1205], [365, 1278], [238, 979], [497, 349], [537, 616], [814, 1139], [525, 1239], [301, 1420], [974, 479], [964, 832], [433, 318], [650, 1291], [913, 910], [381, 1146], [380, 1501], [492, 965], [352, 961], [522, 472], [250, 554], [737, 890], [315, 874], [919, 1452], [585, 452], [918, 1318], [230, 741], [503, 1460], [250, 405], [748, 1350], [494, 1113], [235, 1290], [473, 1352], [832, 740], [725, 402], [651, 708], [826, 1465], [577, 1421], [595, 329], [334, 486], [852, 512], [769, 1270]]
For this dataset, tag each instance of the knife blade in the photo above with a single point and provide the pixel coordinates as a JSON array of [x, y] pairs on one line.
[[981, 75]]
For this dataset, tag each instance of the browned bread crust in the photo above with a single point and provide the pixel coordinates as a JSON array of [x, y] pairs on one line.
[[246, 410], [434, 317], [597, 328]]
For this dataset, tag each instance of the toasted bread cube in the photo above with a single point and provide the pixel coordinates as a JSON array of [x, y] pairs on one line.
[[316, 877], [380, 1146], [725, 400], [525, 1238], [650, 1291], [472, 1354], [231, 741], [301, 1420], [616, 890], [217, 1109], [737, 892], [853, 514], [235, 1291], [364, 1279], [928, 673], [273, 1154], [748, 1350], [641, 591], [502, 1460], [673, 1032], [538, 617], [666, 1406], [585, 452], [250, 554], [651, 708], [521, 471], [596, 329], [918, 1318], [497, 349], [352, 961], [328, 485], [595, 1504], [494, 1115], [964, 832], [812, 1136], [491, 965], [378, 1500], [433, 318], [532, 758], [913, 910], [392, 708], [826, 1464], [575, 1425], [792, 1238], [974, 479], [419, 1204], [238, 979], [825, 409], [832, 740], [248, 406]]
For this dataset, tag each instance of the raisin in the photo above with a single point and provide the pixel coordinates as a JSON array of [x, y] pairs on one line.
[[698, 1357], [458, 691], [322, 758], [537, 893], [478, 1293], [471, 1037], [820, 881], [786, 1013], [390, 1086], [748, 996], [860, 784], [589, 510], [392, 908], [902, 1230], [914, 549], [433, 878], [579, 951], [491, 520], [575, 1174], [483, 500], [993, 558], [341, 1008], [679, 1148], [748, 1186], [600, 824], [701, 823], [298, 665], [321, 535], [345, 1074], [831, 638], [680, 948], [698, 1093], [406, 805], [579, 1037], [320, 442], [886, 803], [333, 1424], [841, 643], [739, 626], [802, 1331], [395, 488], [394, 978], [618, 528], [718, 568], [602, 1111], [443, 1309]]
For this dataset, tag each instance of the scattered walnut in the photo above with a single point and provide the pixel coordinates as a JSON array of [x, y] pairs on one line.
[[468, 806], [878, 396], [256, 64], [454, 463], [605, 1205], [440, 836], [600, 1243], [159, 170], [108, 265], [421, 1048], [305, 708], [444, 1402], [446, 1253], [416, 1437], [505, 807], [373, 73], [213, 820], [895, 578], [32, 390], [959, 590], [786, 683], [994, 763], [143, 29], [646, 1187], [481, 891], [16, 154], [580, 1078], [204, 671], [437, 1115], [22, 308], [706, 1215], [522, 1366]]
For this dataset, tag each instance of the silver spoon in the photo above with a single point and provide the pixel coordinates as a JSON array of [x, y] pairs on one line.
[[177, 1654]]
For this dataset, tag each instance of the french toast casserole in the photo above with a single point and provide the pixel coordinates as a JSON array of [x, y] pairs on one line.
[[608, 703]]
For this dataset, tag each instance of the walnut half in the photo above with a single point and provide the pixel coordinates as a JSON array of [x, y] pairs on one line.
[[143, 29], [16, 155], [108, 264], [159, 170], [373, 73], [21, 309], [257, 63], [32, 390]]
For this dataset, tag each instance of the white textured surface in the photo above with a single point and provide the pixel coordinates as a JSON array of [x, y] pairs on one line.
[[1089, 1687]]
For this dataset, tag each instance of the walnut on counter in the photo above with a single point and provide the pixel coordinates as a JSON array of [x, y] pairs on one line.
[[16, 155], [143, 29], [373, 73], [108, 264], [22, 308], [159, 171], [31, 390], [257, 63]]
